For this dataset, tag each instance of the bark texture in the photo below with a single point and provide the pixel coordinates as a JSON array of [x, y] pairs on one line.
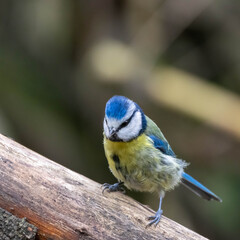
[[63, 204]]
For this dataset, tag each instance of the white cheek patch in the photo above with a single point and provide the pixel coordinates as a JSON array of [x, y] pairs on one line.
[[132, 130]]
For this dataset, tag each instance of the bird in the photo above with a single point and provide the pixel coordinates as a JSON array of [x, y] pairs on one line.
[[140, 157]]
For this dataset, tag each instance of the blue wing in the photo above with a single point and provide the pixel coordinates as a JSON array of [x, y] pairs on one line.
[[198, 188], [187, 180], [162, 145]]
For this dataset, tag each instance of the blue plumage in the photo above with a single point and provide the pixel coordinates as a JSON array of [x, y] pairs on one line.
[[139, 155], [187, 180], [117, 107], [162, 145], [143, 118], [198, 188]]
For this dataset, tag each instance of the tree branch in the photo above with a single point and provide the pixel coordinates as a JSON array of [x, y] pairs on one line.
[[63, 204]]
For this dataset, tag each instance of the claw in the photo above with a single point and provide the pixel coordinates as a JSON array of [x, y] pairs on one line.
[[155, 219], [117, 187], [104, 186], [104, 189]]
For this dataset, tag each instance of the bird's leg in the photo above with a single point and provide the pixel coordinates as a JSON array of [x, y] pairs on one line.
[[117, 187], [157, 217]]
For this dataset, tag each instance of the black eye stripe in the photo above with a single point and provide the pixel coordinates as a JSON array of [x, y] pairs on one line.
[[125, 123]]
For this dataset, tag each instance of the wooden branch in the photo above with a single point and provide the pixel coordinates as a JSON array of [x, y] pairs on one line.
[[65, 205]]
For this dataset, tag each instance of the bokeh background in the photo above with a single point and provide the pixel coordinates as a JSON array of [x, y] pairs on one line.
[[60, 61]]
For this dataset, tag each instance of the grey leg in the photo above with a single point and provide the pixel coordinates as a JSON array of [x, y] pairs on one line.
[[156, 219]]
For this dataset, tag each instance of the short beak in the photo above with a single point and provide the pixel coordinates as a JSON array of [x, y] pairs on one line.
[[112, 132]]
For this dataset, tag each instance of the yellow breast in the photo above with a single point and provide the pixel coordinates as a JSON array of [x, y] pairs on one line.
[[126, 151], [139, 165], [123, 157]]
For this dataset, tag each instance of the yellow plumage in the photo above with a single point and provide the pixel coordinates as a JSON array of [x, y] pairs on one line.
[[139, 155], [140, 165], [125, 151]]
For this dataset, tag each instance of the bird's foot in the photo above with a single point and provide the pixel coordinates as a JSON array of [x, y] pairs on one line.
[[117, 187], [154, 220]]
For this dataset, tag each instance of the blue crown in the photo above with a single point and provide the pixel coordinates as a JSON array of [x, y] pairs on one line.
[[117, 107]]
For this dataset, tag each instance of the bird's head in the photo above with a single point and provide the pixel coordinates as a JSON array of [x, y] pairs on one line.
[[124, 119]]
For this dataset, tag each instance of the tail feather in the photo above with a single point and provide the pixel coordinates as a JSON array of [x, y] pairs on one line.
[[198, 188]]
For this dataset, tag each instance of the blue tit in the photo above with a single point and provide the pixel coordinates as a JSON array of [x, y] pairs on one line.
[[140, 157]]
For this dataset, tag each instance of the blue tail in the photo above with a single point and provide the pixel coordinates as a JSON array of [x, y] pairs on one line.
[[198, 188]]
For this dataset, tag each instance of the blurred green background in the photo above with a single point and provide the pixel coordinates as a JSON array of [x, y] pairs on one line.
[[60, 61]]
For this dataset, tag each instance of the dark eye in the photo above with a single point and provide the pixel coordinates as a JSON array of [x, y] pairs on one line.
[[124, 124]]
